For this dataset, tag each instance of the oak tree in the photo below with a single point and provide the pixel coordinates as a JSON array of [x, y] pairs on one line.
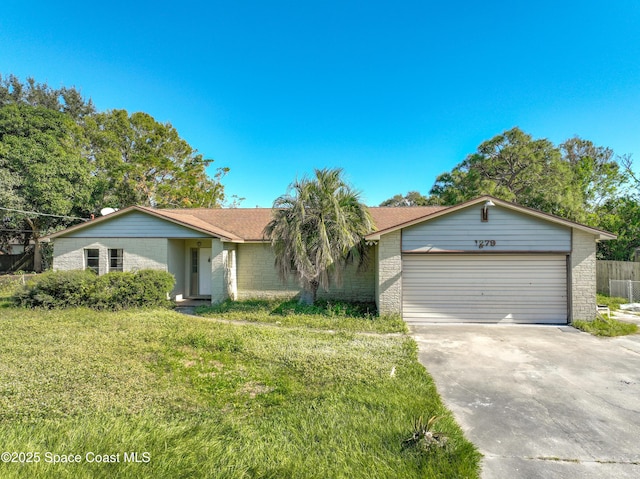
[[42, 170], [140, 161]]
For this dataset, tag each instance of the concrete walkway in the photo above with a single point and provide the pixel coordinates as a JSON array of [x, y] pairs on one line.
[[629, 317], [540, 401], [188, 306]]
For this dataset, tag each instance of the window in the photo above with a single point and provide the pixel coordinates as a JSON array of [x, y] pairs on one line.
[[92, 260], [115, 260], [194, 260]]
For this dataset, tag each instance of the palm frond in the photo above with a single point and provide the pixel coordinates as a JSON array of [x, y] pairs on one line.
[[317, 228]]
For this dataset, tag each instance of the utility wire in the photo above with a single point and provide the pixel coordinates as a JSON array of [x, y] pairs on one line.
[[44, 214]]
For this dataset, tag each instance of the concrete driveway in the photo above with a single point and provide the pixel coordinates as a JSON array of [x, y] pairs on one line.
[[540, 401]]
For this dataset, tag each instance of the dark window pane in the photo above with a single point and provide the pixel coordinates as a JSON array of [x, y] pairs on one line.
[[115, 260], [93, 259]]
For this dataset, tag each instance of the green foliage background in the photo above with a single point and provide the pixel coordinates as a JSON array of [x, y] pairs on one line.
[[61, 157]]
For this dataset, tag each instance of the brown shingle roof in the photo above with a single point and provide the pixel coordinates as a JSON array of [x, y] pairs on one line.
[[240, 223], [186, 217], [248, 223], [388, 216]]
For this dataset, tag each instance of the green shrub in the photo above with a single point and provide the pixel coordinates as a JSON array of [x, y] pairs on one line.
[[155, 287], [113, 291], [56, 289]]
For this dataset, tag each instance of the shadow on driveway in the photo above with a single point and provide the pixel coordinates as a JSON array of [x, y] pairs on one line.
[[540, 401]]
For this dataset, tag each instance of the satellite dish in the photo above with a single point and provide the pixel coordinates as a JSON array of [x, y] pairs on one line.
[[108, 211]]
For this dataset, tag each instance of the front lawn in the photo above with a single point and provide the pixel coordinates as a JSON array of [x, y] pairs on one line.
[[198, 398], [8, 286], [335, 315]]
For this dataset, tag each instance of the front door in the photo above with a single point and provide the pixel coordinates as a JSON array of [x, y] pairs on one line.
[[204, 272], [200, 266]]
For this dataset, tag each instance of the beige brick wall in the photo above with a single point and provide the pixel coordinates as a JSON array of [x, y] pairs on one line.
[[257, 277], [231, 271], [357, 284], [583, 276], [218, 283], [256, 274], [389, 277], [138, 253]]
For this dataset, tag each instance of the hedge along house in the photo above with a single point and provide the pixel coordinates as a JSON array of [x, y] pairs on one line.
[[485, 260]]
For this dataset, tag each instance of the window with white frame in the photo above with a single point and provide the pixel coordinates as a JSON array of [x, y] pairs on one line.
[[92, 259], [115, 260]]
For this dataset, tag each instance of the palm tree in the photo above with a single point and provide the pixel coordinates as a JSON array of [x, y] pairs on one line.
[[317, 228]]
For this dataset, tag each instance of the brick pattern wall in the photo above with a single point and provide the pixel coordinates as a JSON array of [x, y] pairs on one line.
[[583, 276], [138, 253], [256, 274], [218, 273], [257, 277], [231, 276], [389, 283], [357, 285]]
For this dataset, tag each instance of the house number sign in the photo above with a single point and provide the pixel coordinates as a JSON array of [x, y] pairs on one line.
[[485, 243]]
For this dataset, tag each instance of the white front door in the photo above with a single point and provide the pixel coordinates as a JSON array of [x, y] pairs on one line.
[[204, 271]]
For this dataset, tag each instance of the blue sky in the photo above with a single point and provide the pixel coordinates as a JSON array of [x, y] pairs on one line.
[[394, 92]]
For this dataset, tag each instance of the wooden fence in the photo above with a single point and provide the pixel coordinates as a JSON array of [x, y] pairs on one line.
[[15, 262], [606, 270]]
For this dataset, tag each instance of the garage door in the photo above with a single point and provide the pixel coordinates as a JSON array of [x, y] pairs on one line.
[[484, 288]]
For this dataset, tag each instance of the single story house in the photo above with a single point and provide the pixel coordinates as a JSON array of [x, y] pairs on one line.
[[485, 260]]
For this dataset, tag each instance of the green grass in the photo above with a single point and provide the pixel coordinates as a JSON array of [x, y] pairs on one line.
[[8, 286], [210, 399], [333, 315], [603, 326], [612, 301]]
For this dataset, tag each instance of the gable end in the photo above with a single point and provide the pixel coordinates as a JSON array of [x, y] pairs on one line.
[[134, 224]]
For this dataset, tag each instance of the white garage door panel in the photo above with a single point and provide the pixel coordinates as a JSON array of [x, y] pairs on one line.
[[491, 288]]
